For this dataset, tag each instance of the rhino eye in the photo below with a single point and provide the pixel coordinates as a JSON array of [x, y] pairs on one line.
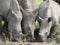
[[49, 19]]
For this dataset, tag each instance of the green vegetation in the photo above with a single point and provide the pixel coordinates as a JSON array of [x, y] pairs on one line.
[[38, 2], [2, 23]]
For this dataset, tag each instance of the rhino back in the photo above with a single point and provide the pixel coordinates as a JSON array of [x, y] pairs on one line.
[[28, 5], [4, 6], [56, 12]]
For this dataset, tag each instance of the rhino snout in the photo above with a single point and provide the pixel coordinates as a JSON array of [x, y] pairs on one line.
[[42, 37]]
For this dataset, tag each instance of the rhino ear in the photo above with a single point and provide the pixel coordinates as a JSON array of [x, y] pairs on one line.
[[49, 19]]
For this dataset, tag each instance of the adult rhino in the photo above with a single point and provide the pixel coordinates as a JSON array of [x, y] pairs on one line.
[[29, 16], [49, 17], [10, 12]]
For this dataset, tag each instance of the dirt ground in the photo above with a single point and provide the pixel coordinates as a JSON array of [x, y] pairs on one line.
[[28, 43], [3, 42]]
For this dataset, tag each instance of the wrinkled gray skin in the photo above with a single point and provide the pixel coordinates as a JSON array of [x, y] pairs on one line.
[[49, 16], [28, 18], [10, 11], [27, 5], [58, 1]]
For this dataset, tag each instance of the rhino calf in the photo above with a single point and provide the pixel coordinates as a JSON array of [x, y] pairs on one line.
[[49, 17]]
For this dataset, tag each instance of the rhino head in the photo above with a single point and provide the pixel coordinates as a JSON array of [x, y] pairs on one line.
[[28, 22], [45, 26]]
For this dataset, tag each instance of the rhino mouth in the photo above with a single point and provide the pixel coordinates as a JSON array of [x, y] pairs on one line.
[[41, 38]]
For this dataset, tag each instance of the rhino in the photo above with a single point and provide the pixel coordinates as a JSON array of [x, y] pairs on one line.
[[29, 15], [48, 18], [11, 14]]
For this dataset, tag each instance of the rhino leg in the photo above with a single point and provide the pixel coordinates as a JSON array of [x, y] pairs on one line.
[[36, 34], [5, 29], [51, 35]]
